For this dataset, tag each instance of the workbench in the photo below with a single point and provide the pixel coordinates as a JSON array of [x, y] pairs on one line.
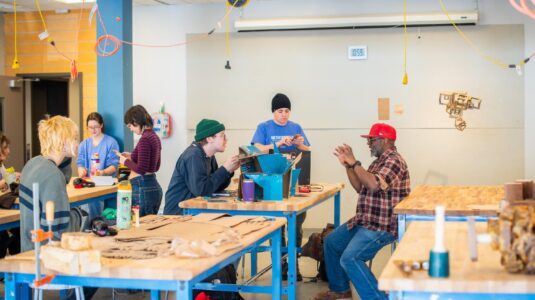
[[163, 273], [460, 202], [288, 208], [482, 279]]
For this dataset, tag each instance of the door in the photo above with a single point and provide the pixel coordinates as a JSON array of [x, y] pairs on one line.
[[12, 119]]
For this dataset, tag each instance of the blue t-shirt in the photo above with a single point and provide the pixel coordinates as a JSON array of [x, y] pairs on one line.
[[269, 132], [105, 153]]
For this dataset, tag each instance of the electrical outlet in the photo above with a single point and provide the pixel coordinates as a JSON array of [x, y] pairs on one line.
[[357, 52]]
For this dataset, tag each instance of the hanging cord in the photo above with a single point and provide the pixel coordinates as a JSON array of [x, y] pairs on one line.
[[228, 50], [73, 67], [102, 51], [405, 76], [488, 58], [15, 64], [523, 7]]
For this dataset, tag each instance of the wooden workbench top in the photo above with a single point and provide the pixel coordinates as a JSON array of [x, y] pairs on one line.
[[76, 195], [161, 268], [483, 276], [458, 200], [296, 203], [9, 215]]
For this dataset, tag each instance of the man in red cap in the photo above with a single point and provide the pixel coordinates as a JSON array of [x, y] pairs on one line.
[[380, 188]]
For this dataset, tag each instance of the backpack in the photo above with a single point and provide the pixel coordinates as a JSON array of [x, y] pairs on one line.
[[314, 249], [225, 275]]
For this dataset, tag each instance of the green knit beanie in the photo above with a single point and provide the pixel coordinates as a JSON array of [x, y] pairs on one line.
[[207, 128]]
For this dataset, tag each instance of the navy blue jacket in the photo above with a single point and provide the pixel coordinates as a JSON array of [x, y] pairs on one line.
[[195, 175]]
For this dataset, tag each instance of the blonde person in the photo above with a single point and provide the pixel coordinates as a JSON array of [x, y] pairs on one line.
[[58, 137], [144, 161]]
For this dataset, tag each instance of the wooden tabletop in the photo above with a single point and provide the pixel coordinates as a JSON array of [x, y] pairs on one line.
[[458, 200], [9, 215], [76, 195], [86, 193], [483, 276], [161, 268], [296, 203]]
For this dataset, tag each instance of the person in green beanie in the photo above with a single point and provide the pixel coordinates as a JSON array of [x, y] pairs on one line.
[[197, 172]]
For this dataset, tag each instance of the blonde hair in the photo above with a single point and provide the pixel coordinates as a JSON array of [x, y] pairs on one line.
[[56, 133]]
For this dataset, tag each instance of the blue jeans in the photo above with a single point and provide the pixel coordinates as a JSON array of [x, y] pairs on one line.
[[346, 252], [147, 193]]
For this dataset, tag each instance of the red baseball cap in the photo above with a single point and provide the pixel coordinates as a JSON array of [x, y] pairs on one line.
[[382, 130]]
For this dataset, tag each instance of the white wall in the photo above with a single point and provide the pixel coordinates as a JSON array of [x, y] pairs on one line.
[[160, 75]]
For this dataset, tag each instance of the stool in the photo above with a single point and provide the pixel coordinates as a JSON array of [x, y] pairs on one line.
[[38, 294]]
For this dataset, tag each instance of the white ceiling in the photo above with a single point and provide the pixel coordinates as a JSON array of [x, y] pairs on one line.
[[29, 5]]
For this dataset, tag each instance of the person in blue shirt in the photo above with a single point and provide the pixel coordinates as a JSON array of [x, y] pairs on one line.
[[286, 135], [99, 144]]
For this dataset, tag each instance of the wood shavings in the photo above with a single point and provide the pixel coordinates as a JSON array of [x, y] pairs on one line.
[[138, 248], [516, 237]]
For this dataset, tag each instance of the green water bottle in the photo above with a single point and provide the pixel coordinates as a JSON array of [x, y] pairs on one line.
[[124, 205]]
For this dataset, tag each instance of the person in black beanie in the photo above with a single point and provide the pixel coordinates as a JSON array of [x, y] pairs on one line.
[[286, 135], [282, 132]]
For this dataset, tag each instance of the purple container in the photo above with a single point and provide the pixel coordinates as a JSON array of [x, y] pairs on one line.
[[247, 190]]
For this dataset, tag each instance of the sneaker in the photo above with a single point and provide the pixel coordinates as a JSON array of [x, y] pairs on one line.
[[330, 295]]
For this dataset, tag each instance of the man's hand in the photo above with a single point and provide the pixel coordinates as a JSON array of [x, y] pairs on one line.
[[232, 164], [286, 140], [298, 140], [345, 155]]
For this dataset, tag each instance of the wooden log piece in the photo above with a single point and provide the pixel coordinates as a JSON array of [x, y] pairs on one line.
[[527, 188], [70, 262], [76, 241], [513, 191]]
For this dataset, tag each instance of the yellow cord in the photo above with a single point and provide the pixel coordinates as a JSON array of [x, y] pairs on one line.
[[405, 80], [488, 58], [41, 15], [15, 64], [227, 41]]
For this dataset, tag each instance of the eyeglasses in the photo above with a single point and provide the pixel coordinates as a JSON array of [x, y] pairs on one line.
[[373, 139], [93, 127]]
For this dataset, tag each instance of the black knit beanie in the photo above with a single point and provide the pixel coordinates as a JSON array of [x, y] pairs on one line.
[[280, 101]]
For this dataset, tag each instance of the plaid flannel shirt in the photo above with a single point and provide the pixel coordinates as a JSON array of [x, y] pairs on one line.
[[375, 211]]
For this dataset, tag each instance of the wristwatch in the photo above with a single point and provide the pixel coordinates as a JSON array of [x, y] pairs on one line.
[[356, 163]]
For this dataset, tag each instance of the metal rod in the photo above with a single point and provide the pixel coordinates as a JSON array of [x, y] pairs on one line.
[[262, 272], [36, 226]]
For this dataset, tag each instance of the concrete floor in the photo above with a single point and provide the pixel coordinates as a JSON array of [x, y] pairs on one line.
[[305, 290]]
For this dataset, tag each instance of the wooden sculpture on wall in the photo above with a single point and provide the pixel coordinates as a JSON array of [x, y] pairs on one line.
[[456, 104]]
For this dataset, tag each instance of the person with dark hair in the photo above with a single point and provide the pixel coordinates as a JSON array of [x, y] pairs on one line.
[[96, 156], [196, 171], [380, 187], [286, 135], [9, 239], [98, 145], [143, 162]]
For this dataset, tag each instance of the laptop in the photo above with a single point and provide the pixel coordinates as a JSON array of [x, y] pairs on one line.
[[304, 165]]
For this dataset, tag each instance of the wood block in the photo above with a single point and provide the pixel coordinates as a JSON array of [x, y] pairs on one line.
[[383, 107], [527, 188], [513, 191], [60, 260], [70, 262], [76, 241]]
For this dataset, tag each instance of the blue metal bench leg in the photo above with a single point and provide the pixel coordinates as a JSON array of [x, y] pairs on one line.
[[276, 276], [183, 291], [292, 256]]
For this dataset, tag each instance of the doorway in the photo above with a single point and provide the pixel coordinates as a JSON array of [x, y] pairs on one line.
[[48, 95]]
